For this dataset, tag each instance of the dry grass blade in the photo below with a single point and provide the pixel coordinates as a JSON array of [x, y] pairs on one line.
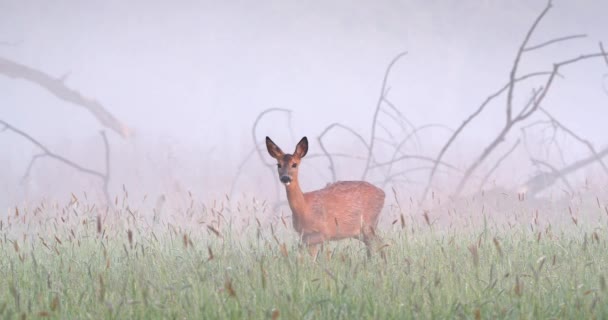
[[497, 246], [283, 249], [55, 304], [210, 252], [214, 230], [130, 237], [229, 287], [519, 287], [475, 254]]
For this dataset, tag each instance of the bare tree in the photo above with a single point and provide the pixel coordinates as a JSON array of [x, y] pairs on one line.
[[513, 117]]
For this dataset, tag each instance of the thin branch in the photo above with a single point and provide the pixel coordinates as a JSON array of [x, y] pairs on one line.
[[104, 177], [470, 118], [58, 88], [556, 40], [497, 164], [548, 179], [500, 137], [332, 167], [527, 111], [393, 176], [512, 75], [414, 133], [378, 106], [416, 157], [586, 142], [604, 53], [30, 165], [270, 166]]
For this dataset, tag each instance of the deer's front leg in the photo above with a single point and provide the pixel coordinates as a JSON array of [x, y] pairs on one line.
[[313, 240]]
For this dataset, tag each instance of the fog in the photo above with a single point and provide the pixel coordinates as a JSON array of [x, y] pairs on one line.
[[189, 79]]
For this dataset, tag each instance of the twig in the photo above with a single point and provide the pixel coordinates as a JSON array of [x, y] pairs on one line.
[[556, 40], [604, 53]]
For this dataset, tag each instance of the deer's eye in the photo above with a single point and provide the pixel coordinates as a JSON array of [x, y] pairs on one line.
[[294, 165], [279, 165]]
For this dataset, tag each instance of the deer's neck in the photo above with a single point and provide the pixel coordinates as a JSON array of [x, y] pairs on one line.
[[295, 196]]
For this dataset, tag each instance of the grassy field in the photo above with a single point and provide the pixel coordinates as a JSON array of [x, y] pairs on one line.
[[229, 260]]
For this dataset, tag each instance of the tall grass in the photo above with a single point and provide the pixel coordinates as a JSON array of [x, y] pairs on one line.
[[228, 259]]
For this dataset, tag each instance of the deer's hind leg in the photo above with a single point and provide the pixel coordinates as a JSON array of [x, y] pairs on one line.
[[370, 239]]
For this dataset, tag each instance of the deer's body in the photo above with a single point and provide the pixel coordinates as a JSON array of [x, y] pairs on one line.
[[346, 209]]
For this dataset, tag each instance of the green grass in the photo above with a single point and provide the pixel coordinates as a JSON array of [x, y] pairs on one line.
[[59, 263]]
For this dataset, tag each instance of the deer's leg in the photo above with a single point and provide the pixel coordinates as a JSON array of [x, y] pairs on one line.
[[371, 239], [313, 241]]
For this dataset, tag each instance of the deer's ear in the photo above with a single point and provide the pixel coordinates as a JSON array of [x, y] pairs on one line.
[[301, 148], [273, 149]]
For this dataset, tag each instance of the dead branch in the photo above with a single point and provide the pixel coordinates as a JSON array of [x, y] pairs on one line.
[[377, 111], [332, 167], [520, 52], [556, 40], [497, 164], [544, 180], [605, 78], [57, 87], [466, 122], [103, 176], [258, 150], [587, 143], [530, 108]]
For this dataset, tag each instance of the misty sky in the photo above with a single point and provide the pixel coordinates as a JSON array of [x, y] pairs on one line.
[[198, 72]]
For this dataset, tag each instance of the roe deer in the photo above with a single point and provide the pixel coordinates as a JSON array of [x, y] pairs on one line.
[[345, 209]]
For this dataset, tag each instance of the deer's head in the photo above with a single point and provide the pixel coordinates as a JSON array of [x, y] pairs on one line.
[[287, 164]]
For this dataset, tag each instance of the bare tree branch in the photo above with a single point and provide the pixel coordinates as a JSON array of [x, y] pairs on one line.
[[520, 52], [378, 106], [528, 110], [270, 166], [604, 53], [497, 164], [468, 120], [556, 40], [586, 142], [58, 88], [544, 180], [103, 176], [332, 167]]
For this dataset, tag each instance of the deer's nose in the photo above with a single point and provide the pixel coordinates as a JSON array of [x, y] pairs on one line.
[[285, 179]]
